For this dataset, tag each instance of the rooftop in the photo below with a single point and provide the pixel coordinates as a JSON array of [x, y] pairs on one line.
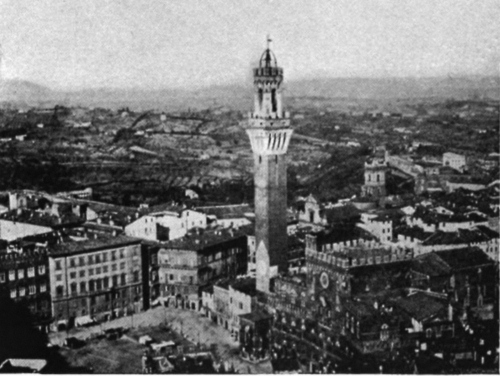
[[226, 211], [91, 245], [40, 218], [422, 306], [462, 236], [246, 286], [465, 258], [430, 264], [343, 234], [202, 239]]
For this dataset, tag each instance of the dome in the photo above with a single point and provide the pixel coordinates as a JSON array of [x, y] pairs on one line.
[[268, 60]]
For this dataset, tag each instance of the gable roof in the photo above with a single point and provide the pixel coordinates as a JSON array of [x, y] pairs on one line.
[[465, 258], [422, 307]]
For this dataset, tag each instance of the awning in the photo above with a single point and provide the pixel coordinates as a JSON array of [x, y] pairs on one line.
[[163, 344], [144, 340], [83, 320]]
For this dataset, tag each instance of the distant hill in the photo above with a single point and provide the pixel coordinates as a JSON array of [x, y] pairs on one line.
[[239, 96], [23, 91]]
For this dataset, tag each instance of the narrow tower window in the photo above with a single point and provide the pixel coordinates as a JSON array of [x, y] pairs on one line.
[[378, 178], [261, 96], [260, 158], [273, 100], [276, 159]]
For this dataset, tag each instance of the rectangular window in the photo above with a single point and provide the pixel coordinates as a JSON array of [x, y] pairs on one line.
[[113, 255], [73, 288], [123, 279], [90, 260], [97, 259], [105, 282], [58, 265], [97, 270], [83, 287], [241, 305], [43, 287], [72, 275], [104, 257], [20, 274], [22, 291], [136, 276], [72, 263], [81, 261], [113, 267], [2, 277], [98, 285], [105, 269], [12, 275], [122, 266], [115, 280], [122, 253], [171, 277], [31, 271], [41, 270], [59, 277], [82, 273], [13, 293]]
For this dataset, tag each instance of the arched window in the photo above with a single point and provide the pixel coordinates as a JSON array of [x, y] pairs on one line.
[[428, 332], [273, 100], [384, 332]]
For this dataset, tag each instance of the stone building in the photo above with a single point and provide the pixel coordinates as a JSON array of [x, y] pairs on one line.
[[190, 264], [24, 278], [95, 279]]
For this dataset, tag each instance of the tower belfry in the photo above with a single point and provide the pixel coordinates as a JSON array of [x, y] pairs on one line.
[[269, 131]]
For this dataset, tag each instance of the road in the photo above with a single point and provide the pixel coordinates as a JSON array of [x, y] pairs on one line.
[[192, 325]]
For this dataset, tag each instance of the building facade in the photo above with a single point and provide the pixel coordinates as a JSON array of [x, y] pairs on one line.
[[189, 265], [24, 278], [95, 279]]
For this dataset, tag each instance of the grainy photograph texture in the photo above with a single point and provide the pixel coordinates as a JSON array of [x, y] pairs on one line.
[[264, 186]]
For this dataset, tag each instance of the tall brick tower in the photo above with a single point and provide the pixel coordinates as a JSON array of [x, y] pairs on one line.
[[269, 131]]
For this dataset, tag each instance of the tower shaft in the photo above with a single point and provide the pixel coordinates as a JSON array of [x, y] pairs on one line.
[[270, 133]]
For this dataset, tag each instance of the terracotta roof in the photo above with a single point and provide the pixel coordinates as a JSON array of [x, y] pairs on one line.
[[430, 264], [41, 218], [204, 239], [91, 245], [422, 306], [226, 211], [245, 285], [465, 258]]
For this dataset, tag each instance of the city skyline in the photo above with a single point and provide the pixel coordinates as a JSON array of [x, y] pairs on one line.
[[122, 44]]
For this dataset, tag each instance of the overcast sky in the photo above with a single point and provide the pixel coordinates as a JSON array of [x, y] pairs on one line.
[[162, 43]]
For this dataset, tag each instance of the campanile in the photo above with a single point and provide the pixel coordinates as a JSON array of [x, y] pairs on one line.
[[269, 131]]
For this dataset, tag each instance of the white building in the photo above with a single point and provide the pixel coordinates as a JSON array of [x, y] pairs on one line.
[[455, 161]]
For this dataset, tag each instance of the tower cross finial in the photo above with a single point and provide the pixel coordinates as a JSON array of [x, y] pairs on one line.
[[269, 40]]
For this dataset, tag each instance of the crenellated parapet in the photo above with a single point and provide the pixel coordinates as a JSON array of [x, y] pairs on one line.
[[353, 253]]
